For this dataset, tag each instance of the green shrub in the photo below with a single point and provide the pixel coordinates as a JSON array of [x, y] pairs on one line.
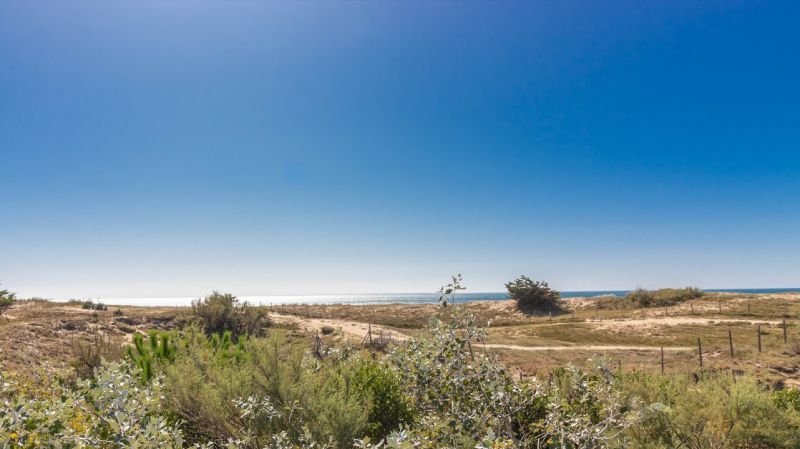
[[641, 297], [89, 305], [662, 297], [533, 295], [787, 399], [220, 313], [389, 406], [466, 399], [161, 347], [717, 411], [276, 389], [7, 299]]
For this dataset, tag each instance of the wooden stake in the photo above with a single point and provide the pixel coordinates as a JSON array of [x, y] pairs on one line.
[[662, 360], [730, 341], [785, 337], [759, 337], [700, 351]]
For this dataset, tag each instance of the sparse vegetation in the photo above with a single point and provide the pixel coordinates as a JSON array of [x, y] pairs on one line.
[[533, 296]]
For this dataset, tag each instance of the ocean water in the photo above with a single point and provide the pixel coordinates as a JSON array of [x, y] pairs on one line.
[[391, 298]]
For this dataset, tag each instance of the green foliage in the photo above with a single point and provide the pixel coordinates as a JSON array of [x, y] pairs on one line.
[[716, 411], [220, 313], [275, 390], [466, 398], [787, 399], [7, 299], [161, 347], [389, 406], [533, 295], [111, 411]]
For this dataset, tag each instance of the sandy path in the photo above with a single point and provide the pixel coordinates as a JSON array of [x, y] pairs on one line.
[[351, 329], [356, 331]]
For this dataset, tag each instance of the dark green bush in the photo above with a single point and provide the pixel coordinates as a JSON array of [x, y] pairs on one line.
[[389, 406], [7, 299], [533, 296], [220, 313]]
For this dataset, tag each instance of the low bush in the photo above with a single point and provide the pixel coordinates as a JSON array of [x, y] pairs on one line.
[[716, 411], [642, 298], [533, 296], [90, 305], [220, 313]]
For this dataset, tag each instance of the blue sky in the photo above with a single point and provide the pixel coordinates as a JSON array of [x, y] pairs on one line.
[[171, 148]]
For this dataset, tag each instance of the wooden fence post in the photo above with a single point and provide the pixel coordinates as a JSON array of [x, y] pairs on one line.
[[700, 351], [730, 341], [785, 337], [662, 360], [759, 337]]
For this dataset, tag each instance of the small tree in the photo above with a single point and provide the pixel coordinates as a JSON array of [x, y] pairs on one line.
[[7, 300], [533, 295]]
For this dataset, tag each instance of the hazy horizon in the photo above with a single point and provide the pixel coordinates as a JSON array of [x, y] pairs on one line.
[[167, 149]]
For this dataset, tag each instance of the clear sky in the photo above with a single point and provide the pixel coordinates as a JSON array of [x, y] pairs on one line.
[[168, 148]]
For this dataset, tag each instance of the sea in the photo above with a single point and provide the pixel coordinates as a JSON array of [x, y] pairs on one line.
[[393, 298]]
